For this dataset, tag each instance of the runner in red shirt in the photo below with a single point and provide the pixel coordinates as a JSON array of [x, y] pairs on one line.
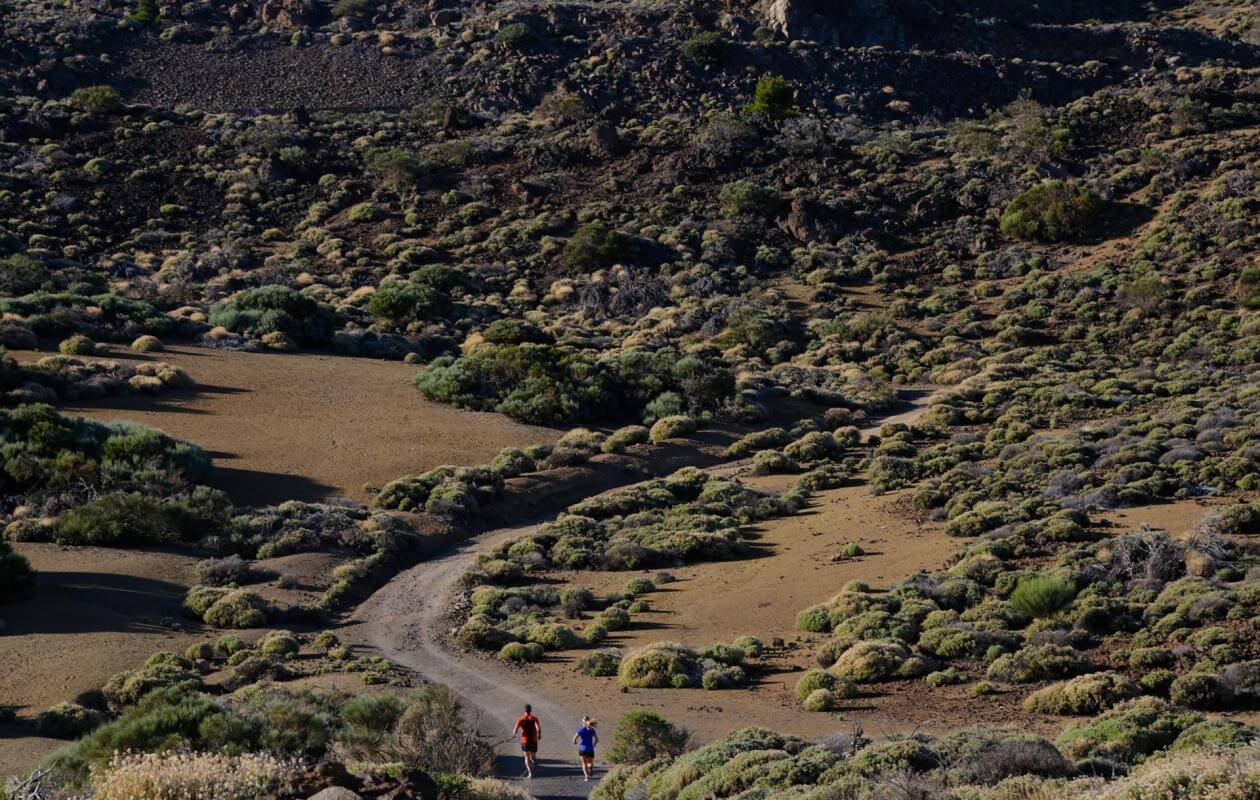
[[530, 731]]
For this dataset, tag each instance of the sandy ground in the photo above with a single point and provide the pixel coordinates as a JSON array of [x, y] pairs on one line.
[[306, 426], [96, 611]]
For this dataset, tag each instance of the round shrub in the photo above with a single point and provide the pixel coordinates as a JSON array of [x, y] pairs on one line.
[[200, 651], [239, 608], [279, 643], [723, 677], [481, 635], [638, 586], [77, 345], [642, 736], [622, 439], [1087, 694], [1200, 690], [882, 660], [603, 663], [521, 651], [147, 344], [812, 681], [1051, 211], [820, 700], [656, 665], [67, 721], [673, 427]]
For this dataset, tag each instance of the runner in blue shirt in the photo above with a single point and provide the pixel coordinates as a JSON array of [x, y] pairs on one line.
[[586, 738]]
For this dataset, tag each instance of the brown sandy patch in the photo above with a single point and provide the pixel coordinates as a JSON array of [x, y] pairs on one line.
[[1176, 517], [795, 563], [95, 612], [307, 426]]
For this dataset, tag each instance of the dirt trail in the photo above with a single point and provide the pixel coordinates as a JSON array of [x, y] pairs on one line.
[[408, 621]]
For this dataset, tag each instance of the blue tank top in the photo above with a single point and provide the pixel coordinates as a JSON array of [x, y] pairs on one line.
[[586, 738]]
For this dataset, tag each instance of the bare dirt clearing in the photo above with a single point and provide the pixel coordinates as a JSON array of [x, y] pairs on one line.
[[96, 611], [307, 426]]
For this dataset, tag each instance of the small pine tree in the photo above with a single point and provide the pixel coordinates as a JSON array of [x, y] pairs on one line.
[[774, 98], [146, 12]]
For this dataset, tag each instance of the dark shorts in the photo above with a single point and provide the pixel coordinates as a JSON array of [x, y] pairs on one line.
[[586, 753], [529, 747]]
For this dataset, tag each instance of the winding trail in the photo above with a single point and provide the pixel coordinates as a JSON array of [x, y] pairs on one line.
[[408, 621]]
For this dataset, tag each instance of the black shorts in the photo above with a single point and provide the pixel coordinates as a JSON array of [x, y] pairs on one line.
[[529, 747]]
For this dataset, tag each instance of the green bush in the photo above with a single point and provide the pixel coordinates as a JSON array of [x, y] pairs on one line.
[[623, 438], [516, 35], [743, 197], [1248, 287], [774, 98], [96, 99], [67, 721], [603, 663], [239, 608], [642, 736], [1043, 595], [146, 12], [1038, 663], [1051, 211], [874, 661], [77, 345], [673, 427], [1087, 694], [1200, 690], [656, 666], [707, 48], [1128, 732], [521, 651], [594, 246]]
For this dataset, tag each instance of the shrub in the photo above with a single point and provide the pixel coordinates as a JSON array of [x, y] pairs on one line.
[[820, 700], [516, 35], [146, 12], [656, 666], [867, 662], [774, 98], [1087, 694], [1043, 595], [66, 721], [623, 438], [1200, 690], [603, 663], [147, 344], [77, 345], [1131, 730], [673, 427], [642, 736], [1038, 663], [1051, 211], [96, 99], [237, 609], [707, 48], [192, 776], [594, 246], [638, 586], [279, 643], [743, 197], [521, 651], [812, 681], [1248, 287]]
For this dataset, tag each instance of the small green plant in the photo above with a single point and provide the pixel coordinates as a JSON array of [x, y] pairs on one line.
[[1043, 595], [592, 246], [774, 98], [1051, 211], [146, 12], [707, 49], [641, 736], [96, 99], [1249, 287], [516, 35]]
